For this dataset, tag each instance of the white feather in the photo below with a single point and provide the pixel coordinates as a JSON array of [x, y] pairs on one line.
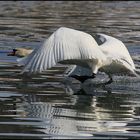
[[66, 46], [69, 46], [114, 47], [116, 51], [118, 55]]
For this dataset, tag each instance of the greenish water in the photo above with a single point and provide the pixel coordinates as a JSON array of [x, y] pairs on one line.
[[43, 106]]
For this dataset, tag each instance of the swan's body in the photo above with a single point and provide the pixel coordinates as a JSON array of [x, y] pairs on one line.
[[69, 46]]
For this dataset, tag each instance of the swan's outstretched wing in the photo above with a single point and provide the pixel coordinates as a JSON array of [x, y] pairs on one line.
[[116, 50], [63, 44]]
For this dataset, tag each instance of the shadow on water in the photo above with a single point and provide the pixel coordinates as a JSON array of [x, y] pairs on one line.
[[43, 106]]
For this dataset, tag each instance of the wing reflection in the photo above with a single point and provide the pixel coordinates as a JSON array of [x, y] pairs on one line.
[[82, 114]]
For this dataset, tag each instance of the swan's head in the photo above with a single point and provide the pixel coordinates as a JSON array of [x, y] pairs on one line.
[[20, 52]]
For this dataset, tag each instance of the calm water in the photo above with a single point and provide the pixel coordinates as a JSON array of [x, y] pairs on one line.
[[43, 106]]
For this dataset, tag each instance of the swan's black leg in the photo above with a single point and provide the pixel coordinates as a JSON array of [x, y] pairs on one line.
[[110, 80], [82, 79]]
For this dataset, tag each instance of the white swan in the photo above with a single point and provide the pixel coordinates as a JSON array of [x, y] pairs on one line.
[[69, 46], [115, 50]]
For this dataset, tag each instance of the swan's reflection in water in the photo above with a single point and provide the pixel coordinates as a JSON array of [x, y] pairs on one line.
[[80, 113]]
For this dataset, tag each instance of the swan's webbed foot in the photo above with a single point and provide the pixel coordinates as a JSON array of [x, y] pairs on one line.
[[82, 79]]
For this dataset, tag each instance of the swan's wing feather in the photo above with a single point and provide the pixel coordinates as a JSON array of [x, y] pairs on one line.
[[115, 48], [63, 44]]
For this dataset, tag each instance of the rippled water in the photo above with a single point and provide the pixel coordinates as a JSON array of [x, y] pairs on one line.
[[42, 106]]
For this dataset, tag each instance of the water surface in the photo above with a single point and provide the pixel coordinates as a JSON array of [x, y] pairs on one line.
[[42, 106]]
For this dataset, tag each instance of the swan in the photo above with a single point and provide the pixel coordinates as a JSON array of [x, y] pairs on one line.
[[115, 50], [80, 49]]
